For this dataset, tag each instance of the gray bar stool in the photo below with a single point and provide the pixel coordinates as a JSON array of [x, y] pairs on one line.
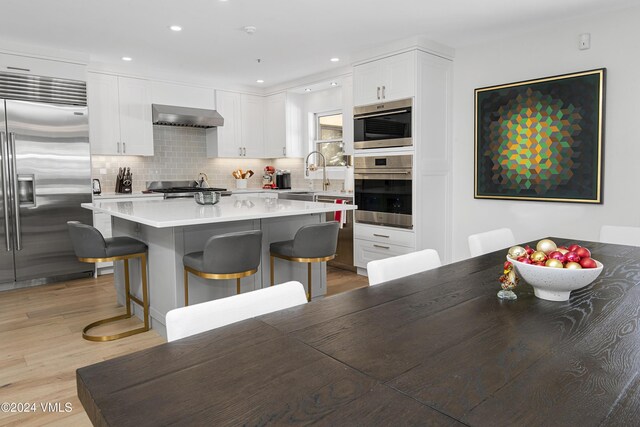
[[312, 243], [90, 245], [225, 256]]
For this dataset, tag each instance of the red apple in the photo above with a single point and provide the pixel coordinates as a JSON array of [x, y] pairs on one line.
[[573, 247], [588, 263], [557, 255], [572, 257], [583, 252]]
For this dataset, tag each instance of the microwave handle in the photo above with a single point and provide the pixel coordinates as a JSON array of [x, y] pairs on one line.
[[366, 116]]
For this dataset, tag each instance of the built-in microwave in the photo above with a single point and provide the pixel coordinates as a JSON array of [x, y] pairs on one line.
[[384, 190], [383, 125]]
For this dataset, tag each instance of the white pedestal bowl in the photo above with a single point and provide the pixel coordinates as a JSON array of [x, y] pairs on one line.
[[555, 284]]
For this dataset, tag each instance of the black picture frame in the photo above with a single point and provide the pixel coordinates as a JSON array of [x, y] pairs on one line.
[[541, 139]]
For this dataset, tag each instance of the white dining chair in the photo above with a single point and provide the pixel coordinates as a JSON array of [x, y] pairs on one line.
[[194, 319], [383, 270], [620, 235], [489, 241]]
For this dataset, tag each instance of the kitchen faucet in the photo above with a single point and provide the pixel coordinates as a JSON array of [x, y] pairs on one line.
[[325, 181]]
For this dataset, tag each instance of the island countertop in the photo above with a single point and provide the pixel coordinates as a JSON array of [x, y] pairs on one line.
[[184, 212]]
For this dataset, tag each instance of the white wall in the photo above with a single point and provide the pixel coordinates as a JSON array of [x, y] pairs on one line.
[[553, 50]]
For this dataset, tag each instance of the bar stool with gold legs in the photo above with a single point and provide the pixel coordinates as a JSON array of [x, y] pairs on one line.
[[225, 256], [312, 243], [91, 246]]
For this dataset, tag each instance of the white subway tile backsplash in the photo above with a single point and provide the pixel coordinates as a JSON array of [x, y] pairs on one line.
[[181, 154]]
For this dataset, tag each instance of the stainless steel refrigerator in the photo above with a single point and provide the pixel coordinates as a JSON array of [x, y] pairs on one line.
[[45, 175]]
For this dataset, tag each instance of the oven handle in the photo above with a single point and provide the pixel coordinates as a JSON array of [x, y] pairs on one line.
[[379, 172], [388, 113], [403, 176]]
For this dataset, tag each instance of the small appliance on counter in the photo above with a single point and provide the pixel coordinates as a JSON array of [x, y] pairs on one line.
[[283, 179], [268, 180], [124, 181]]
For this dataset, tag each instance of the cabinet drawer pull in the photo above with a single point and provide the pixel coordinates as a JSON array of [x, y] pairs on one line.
[[124, 147], [118, 150], [380, 235], [383, 94], [284, 151], [18, 69], [381, 246], [378, 92], [240, 151]]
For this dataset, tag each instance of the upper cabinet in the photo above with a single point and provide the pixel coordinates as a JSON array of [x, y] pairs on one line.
[[225, 141], [182, 95], [275, 126], [256, 126], [386, 79], [22, 64], [252, 107], [283, 125], [119, 115]]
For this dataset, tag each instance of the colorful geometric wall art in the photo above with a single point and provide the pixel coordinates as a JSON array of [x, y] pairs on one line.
[[541, 139]]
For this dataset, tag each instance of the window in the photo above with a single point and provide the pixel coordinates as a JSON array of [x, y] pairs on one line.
[[329, 138]]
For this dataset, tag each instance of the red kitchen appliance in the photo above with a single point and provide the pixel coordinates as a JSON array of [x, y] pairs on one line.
[[268, 178]]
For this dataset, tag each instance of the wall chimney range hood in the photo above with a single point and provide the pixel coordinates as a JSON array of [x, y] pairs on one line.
[[172, 115]]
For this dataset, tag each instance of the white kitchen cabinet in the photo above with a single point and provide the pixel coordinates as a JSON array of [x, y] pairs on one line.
[[21, 64], [182, 95], [373, 242], [226, 140], [283, 126], [386, 79], [119, 115], [275, 126], [243, 132], [366, 251], [252, 125]]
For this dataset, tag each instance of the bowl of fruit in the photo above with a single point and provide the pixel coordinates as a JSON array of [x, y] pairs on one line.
[[554, 271]]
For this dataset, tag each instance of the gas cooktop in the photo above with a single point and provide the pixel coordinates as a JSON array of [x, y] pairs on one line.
[[175, 189]]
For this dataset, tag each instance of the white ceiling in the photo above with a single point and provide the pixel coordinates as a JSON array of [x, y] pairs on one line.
[[294, 38]]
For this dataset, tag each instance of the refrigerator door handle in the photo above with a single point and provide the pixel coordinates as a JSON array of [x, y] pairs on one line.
[[5, 180], [16, 198]]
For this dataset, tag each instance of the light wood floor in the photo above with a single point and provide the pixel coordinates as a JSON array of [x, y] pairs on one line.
[[41, 343]]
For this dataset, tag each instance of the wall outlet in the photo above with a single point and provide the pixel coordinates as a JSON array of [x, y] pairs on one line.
[[585, 41]]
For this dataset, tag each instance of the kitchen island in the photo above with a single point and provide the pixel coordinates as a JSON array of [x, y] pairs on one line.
[[174, 227]]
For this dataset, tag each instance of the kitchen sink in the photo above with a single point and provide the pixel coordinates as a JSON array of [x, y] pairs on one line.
[[306, 196]]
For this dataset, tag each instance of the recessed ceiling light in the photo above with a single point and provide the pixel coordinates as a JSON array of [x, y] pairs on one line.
[[335, 59], [127, 58], [259, 81], [334, 84], [175, 28], [307, 90]]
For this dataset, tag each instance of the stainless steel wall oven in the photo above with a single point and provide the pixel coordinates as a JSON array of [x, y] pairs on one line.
[[384, 190], [383, 125]]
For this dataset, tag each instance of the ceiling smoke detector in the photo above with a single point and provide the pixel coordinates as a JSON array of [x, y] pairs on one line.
[[250, 29]]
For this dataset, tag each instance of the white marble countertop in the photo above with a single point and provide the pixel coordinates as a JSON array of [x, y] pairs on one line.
[[183, 212], [139, 195]]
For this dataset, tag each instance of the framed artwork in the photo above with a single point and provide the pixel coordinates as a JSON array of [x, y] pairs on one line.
[[541, 139]]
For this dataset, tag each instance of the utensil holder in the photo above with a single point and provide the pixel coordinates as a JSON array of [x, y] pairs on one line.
[[241, 183]]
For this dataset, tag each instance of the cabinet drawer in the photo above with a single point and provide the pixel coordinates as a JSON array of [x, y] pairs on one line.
[[366, 251], [385, 235]]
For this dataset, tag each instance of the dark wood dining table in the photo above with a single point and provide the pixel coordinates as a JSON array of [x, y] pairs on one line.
[[436, 348]]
